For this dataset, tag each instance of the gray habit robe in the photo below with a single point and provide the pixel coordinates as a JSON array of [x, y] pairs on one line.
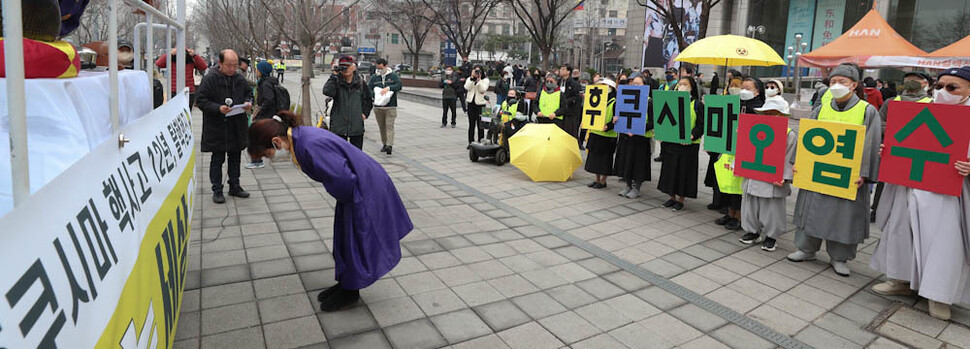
[[835, 219], [763, 203], [894, 254]]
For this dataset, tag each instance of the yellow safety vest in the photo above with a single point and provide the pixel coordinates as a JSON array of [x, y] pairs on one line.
[[609, 119], [921, 100], [693, 120], [509, 111], [727, 182], [855, 115], [549, 102], [826, 97]]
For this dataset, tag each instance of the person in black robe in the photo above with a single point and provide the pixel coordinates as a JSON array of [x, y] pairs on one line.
[[678, 173]]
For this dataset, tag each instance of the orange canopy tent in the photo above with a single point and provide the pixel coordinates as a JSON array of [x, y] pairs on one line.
[[869, 43], [957, 49]]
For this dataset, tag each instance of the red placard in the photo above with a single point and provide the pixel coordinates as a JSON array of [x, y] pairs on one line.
[[922, 142], [762, 140]]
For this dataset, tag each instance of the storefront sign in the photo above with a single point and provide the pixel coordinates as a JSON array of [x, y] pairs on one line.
[[97, 257], [801, 15], [631, 109], [922, 143], [828, 22], [672, 114], [762, 142], [829, 157], [721, 123]]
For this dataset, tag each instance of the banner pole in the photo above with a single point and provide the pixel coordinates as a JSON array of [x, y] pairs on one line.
[[16, 101]]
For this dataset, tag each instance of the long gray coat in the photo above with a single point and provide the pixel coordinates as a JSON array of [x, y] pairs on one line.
[[840, 220]]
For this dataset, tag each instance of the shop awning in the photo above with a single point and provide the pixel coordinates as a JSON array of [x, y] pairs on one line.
[[869, 43]]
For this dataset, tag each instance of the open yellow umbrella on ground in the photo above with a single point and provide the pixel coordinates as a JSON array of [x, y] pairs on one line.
[[730, 50], [545, 153]]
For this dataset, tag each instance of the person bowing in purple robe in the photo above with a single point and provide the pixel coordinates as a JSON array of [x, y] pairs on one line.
[[369, 219]]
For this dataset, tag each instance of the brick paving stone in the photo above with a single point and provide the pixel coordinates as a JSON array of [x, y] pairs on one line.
[[458, 275], [490, 269], [821, 338], [736, 337], [845, 328], [501, 315], [636, 336], [357, 319], [956, 335], [908, 336], [600, 341], [271, 268], [798, 307], [529, 336], [230, 317], [603, 316], [491, 341], [918, 321], [416, 334], [570, 296], [885, 343], [778, 320], [600, 288], [189, 326], [420, 282], [569, 327], [478, 293], [278, 286], [670, 328], [369, 340], [460, 326], [217, 296], [243, 339], [538, 305], [285, 308], [659, 298], [438, 302], [856, 313], [295, 333], [698, 318], [512, 286], [628, 282], [394, 311]]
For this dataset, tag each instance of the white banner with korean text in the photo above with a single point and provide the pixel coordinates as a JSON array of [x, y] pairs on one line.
[[97, 257]]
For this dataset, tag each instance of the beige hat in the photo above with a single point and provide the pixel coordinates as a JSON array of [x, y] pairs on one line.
[[781, 86], [775, 103]]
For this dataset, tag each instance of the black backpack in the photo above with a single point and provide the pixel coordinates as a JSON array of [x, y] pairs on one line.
[[282, 97]]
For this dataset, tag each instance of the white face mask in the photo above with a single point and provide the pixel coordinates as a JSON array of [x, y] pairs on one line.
[[734, 90], [746, 95], [448, 72], [839, 90], [280, 152], [771, 92], [943, 97]]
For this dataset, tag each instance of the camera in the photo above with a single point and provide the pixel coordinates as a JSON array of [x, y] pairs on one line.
[[339, 68]]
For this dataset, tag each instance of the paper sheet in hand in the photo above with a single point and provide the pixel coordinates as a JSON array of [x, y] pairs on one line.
[[237, 109]]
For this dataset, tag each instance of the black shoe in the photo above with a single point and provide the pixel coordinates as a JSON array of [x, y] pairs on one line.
[[750, 238], [452, 125], [734, 225], [669, 203], [872, 216], [713, 207], [218, 198], [328, 292], [238, 192], [768, 245], [723, 220], [339, 300], [678, 206], [723, 210], [592, 184], [658, 159], [599, 186], [384, 148], [444, 125], [389, 149]]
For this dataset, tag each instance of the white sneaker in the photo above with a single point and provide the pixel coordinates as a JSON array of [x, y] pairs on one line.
[[893, 287], [939, 310], [799, 256], [255, 165], [841, 268]]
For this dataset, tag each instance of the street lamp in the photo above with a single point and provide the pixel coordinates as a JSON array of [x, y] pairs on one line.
[[794, 52], [756, 30]]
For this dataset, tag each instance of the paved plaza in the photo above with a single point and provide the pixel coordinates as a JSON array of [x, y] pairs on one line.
[[497, 261]]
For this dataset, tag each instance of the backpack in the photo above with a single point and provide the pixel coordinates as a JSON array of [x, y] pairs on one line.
[[282, 97]]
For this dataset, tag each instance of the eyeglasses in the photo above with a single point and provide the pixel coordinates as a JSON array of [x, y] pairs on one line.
[[948, 87]]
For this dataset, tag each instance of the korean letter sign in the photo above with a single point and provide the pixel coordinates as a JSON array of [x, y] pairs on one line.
[[922, 142], [594, 107], [762, 141], [721, 123], [672, 116], [631, 109], [829, 157], [97, 257]]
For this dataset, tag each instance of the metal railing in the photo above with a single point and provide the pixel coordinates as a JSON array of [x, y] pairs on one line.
[[16, 85]]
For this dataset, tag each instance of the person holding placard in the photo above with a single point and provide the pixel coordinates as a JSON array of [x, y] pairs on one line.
[[633, 153], [678, 173], [925, 245], [602, 143], [763, 203], [841, 223]]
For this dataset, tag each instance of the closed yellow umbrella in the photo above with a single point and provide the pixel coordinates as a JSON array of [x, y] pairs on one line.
[[545, 153], [730, 50]]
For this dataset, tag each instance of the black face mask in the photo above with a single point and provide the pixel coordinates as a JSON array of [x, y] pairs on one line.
[[512, 101]]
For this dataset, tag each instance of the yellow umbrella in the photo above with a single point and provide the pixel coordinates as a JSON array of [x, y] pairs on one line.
[[545, 153], [730, 50]]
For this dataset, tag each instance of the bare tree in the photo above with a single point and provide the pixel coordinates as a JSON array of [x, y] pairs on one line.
[[941, 33], [412, 19], [461, 20], [307, 23], [94, 23], [542, 19], [675, 19]]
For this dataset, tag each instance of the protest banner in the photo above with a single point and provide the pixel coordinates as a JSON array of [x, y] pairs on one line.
[[922, 143], [720, 125], [594, 107], [631, 109], [672, 121], [97, 258], [762, 141], [829, 157]]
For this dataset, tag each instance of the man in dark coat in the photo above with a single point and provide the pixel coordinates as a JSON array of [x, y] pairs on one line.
[[571, 100], [224, 135], [352, 101]]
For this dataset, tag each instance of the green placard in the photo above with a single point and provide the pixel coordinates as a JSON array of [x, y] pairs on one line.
[[672, 116], [721, 123]]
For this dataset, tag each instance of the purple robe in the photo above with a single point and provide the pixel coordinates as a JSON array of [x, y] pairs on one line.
[[369, 218]]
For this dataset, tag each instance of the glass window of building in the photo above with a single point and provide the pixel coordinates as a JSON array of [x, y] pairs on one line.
[[394, 39]]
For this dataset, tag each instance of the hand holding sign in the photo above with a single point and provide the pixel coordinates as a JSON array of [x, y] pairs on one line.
[[674, 118], [922, 141], [631, 109], [594, 107]]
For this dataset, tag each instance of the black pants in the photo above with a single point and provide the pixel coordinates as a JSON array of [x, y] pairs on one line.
[[875, 200], [474, 116], [279, 75], [357, 141], [582, 136], [448, 103], [464, 105], [215, 169]]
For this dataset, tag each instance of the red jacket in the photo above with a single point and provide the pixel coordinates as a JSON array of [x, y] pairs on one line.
[[197, 64], [874, 97]]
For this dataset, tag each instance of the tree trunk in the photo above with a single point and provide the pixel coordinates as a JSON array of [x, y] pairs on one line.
[[415, 58], [545, 57], [305, 84]]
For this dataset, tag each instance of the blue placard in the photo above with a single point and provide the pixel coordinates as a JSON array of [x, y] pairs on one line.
[[631, 109]]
